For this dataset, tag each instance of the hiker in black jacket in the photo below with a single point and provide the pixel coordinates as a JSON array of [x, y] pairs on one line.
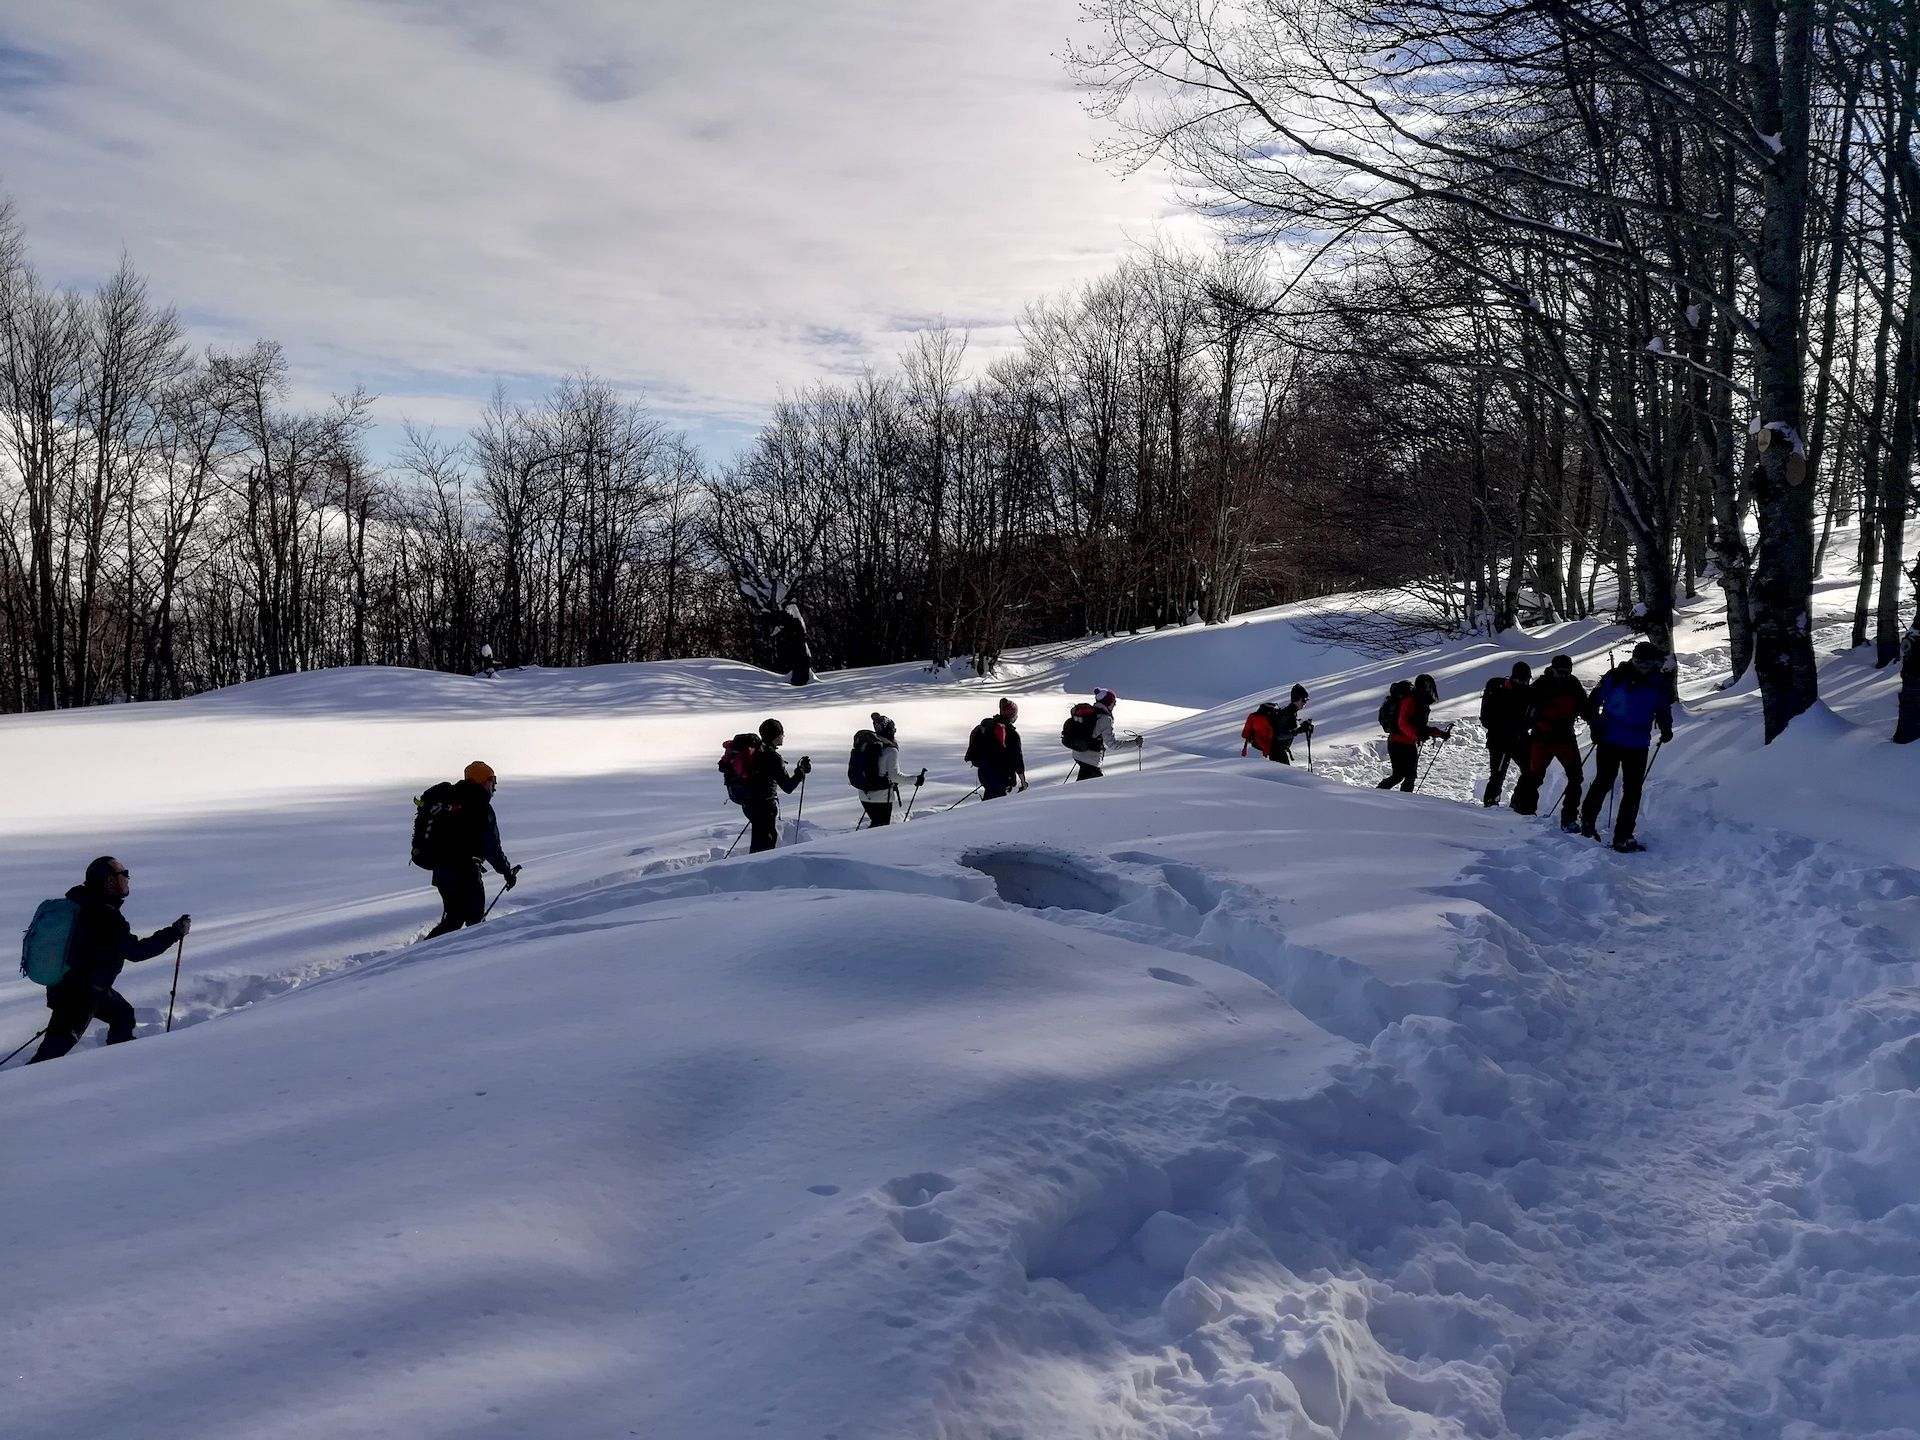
[[1503, 710], [767, 778], [995, 752], [470, 842], [101, 944]]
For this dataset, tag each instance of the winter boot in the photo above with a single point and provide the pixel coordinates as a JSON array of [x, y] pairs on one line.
[[1588, 829], [1570, 827], [1628, 846]]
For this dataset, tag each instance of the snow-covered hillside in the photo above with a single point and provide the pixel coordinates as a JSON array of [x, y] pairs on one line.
[[1212, 1099]]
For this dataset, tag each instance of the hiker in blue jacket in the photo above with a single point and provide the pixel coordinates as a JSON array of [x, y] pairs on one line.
[[1626, 705], [101, 943]]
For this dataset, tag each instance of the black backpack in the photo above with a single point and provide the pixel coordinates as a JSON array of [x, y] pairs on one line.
[[439, 821], [1078, 732], [987, 745], [736, 765], [863, 762], [1390, 707]]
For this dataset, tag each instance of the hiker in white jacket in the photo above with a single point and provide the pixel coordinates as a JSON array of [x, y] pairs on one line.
[[879, 803], [1089, 734]]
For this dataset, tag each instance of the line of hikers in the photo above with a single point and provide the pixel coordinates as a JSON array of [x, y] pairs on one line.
[[1530, 727], [76, 946], [1530, 724], [756, 774]]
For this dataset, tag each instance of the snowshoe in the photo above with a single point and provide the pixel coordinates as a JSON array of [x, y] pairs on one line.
[[1628, 846], [1587, 829], [1571, 827]]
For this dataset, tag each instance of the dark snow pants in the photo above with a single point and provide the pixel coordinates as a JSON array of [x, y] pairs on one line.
[[1631, 766], [764, 817], [1526, 795], [75, 1007], [1405, 760], [1084, 771], [878, 813], [1500, 755], [463, 898], [993, 784]]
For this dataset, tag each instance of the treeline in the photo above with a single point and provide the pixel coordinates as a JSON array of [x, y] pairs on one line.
[[1650, 260], [1603, 295]]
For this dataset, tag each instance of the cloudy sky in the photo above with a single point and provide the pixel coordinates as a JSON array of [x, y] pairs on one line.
[[703, 202]]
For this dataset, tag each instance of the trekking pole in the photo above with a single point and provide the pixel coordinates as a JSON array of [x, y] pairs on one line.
[[918, 782], [1309, 752], [1567, 779], [962, 800], [1646, 775], [737, 839], [178, 951], [801, 811], [1426, 764], [30, 1039], [503, 890]]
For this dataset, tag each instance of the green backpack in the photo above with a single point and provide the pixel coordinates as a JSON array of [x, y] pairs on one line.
[[43, 950]]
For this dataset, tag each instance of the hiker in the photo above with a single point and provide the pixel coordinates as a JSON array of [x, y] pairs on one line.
[[1554, 702], [1626, 705], [1411, 729], [994, 751], [1088, 734], [1271, 728], [460, 837], [874, 770], [487, 667], [756, 777], [1503, 710], [97, 946]]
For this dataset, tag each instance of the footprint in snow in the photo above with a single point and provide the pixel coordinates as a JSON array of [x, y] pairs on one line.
[[912, 1212]]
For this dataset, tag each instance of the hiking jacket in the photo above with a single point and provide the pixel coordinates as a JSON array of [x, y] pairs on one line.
[[1503, 710], [479, 834], [1626, 705], [1553, 704], [1410, 726], [102, 942], [889, 775], [1103, 738], [766, 771], [1016, 760]]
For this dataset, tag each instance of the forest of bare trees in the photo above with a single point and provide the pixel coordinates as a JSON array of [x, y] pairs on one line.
[[1675, 241], [1607, 301]]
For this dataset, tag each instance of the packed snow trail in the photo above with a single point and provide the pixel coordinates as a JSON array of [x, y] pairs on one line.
[[1614, 1208]]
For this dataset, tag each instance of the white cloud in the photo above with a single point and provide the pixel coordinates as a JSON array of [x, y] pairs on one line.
[[706, 202]]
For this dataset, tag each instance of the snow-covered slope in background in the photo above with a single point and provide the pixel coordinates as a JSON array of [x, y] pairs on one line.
[[1213, 1099]]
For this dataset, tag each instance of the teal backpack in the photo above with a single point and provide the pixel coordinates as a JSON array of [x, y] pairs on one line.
[[43, 952]]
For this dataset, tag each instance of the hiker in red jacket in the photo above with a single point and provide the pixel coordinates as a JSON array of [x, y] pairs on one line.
[[1555, 702], [1411, 729]]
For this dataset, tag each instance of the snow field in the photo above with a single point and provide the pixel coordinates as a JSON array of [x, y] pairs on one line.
[[1218, 1101]]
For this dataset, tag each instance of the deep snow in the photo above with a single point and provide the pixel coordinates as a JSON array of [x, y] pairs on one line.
[[1216, 1099]]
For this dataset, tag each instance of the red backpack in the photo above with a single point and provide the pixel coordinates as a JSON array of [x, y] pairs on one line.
[[736, 765], [1258, 731]]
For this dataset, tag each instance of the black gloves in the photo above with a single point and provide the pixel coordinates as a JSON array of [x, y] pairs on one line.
[[183, 925], [1666, 734], [805, 766], [1306, 727], [513, 876]]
